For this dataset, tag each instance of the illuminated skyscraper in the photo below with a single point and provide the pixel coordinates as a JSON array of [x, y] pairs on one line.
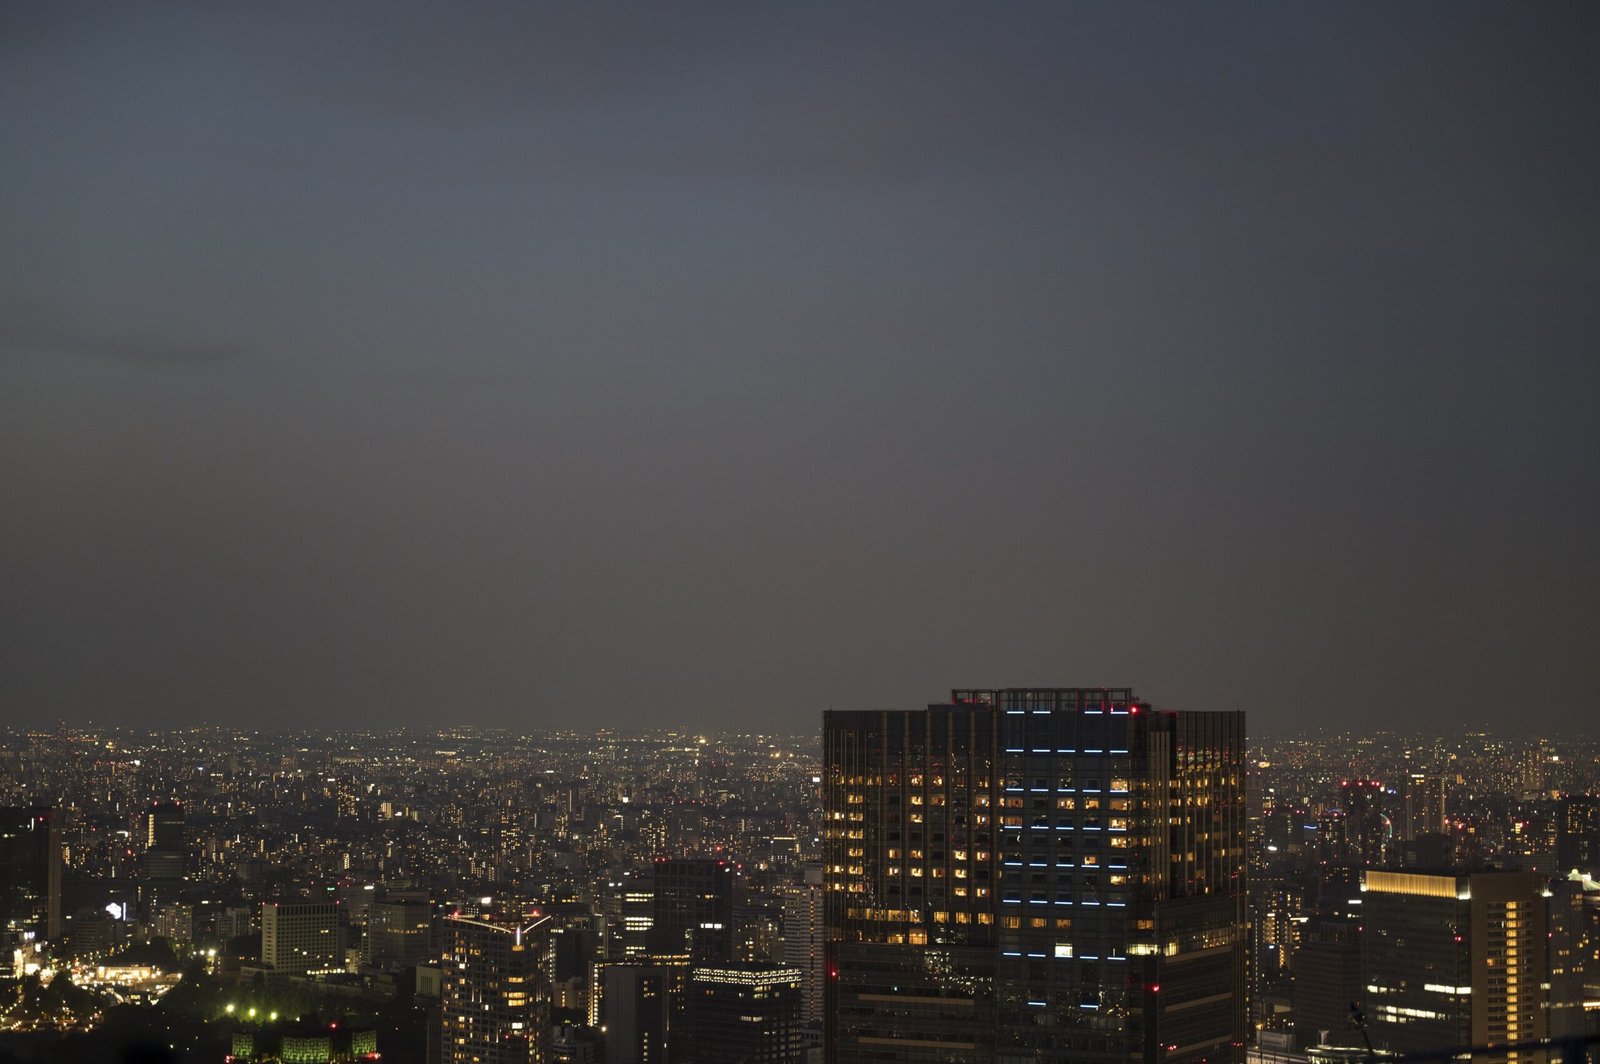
[[163, 826], [1035, 875], [1369, 834], [166, 855], [1425, 808], [628, 907], [495, 997], [803, 939], [1578, 834], [1456, 960]]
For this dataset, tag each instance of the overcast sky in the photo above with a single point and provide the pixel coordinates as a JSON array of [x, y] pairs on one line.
[[673, 363]]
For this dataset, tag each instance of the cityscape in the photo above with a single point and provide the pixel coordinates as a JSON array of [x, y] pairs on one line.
[[1013, 874], [801, 532]]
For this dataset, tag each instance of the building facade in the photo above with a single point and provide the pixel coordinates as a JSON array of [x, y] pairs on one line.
[[1035, 875], [30, 876], [637, 1013], [1456, 960], [301, 937], [399, 932], [803, 940], [165, 858], [693, 905], [494, 994], [746, 1014]]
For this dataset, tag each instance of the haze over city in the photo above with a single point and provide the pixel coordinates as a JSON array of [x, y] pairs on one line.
[[717, 365]]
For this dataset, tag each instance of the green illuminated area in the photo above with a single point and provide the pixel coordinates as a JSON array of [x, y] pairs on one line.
[[205, 1017]]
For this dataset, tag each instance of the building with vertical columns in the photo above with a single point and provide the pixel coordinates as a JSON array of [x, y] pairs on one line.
[[1456, 960], [495, 994], [1035, 875], [803, 940]]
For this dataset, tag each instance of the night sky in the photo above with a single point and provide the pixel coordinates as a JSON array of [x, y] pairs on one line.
[[663, 364]]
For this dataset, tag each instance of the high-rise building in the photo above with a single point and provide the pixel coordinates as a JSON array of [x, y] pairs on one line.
[[30, 875], [1277, 917], [636, 1013], [166, 856], [628, 907], [495, 995], [1368, 831], [1035, 875], [1578, 834], [1327, 981], [803, 940], [399, 931], [1456, 960], [234, 921], [163, 826], [301, 936], [1571, 928], [174, 921], [693, 908], [1425, 809], [746, 1014]]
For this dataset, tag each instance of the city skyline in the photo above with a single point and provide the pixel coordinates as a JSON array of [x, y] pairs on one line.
[[724, 364], [1013, 874]]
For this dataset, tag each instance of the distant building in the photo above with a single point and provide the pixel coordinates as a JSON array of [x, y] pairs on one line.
[[1327, 981], [1578, 834], [1035, 875], [804, 941], [1572, 938], [166, 855], [1456, 960], [569, 1046], [235, 921], [174, 921], [1425, 810], [1368, 831], [301, 937], [495, 996], [693, 908], [636, 1014], [163, 826], [746, 1014], [30, 875], [91, 933], [628, 908], [399, 932]]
